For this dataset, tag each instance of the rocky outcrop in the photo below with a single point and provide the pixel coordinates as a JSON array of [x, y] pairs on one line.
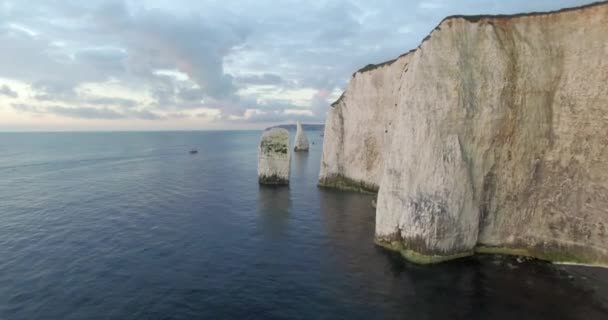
[[301, 139], [491, 136], [273, 157], [359, 127]]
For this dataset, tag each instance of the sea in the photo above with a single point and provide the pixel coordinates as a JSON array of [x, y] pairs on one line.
[[130, 225]]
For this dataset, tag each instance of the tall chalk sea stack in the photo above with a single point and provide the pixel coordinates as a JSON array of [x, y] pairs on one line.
[[301, 139], [491, 136], [273, 157]]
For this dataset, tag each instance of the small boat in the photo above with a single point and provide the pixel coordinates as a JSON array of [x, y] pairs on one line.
[[193, 151]]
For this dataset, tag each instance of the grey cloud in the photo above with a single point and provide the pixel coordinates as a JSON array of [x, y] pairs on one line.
[[53, 91], [108, 101], [38, 60], [7, 91], [58, 92], [177, 115], [340, 22], [273, 111], [27, 108], [263, 79], [163, 89], [219, 45], [191, 94], [130, 47], [203, 115], [111, 59], [191, 44], [85, 113], [144, 115], [276, 116], [88, 112]]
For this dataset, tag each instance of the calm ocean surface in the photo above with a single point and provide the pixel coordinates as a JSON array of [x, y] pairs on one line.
[[130, 226]]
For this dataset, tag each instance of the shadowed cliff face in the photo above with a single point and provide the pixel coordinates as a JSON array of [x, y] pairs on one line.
[[491, 136]]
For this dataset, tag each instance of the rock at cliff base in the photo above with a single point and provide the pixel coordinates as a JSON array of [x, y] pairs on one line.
[[301, 139], [273, 157]]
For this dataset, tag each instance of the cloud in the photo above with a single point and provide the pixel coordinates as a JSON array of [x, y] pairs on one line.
[[112, 60], [191, 94], [273, 116], [53, 91], [146, 115], [191, 44], [60, 92], [7, 91], [260, 79], [430, 5], [111, 101], [21, 107], [286, 60], [85, 113], [88, 112]]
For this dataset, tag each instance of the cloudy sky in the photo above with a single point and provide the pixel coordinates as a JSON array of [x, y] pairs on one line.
[[201, 64]]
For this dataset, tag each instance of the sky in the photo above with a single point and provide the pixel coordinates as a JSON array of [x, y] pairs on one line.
[[202, 64]]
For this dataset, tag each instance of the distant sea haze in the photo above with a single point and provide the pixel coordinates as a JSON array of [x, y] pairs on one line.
[[305, 126], [132, 226]]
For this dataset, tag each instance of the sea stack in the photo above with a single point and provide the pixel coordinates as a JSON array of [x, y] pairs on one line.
[[273, 157], [301, 139], [489, 137]]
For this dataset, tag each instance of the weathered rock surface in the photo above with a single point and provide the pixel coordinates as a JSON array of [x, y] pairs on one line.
[[358, 128], [273, 157], [301, 139], [491, 136]]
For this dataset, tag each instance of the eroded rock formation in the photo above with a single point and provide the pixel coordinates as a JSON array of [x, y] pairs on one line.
[[301, 139], [359, 128], [273, 157], [491, 136]]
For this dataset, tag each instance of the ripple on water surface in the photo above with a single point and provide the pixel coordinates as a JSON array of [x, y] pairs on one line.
[[130, 226]]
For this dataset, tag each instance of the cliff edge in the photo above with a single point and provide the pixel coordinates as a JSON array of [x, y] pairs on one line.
[[491, 136]]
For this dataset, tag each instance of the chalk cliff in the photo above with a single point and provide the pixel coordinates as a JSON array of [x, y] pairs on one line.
[[359, 127], [273, 157], [491, 136], [301, 141]]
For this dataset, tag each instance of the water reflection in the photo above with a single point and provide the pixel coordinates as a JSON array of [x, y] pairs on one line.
[[301, 175], [340, 258], [274, 205], [483, 287], [215, 245]]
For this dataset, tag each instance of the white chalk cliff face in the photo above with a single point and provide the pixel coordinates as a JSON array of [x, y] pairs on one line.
[[301, 139], [491, 136], [273, 157], [358, 128]]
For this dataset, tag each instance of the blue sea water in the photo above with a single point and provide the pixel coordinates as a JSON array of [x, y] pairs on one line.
[[131, 226]]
